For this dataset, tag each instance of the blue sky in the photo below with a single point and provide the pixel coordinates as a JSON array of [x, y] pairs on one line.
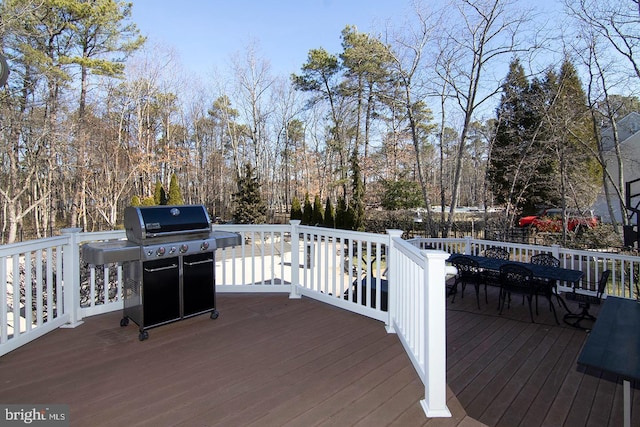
[[207, 33]]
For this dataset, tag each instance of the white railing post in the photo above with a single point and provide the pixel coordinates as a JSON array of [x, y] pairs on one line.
[[71, 276], [295, 259], [467, 245], [435, 350], [392, 279]]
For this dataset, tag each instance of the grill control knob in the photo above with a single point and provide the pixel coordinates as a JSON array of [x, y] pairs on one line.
[[172, 250], [184, 248], [161, 251], [204, 246]]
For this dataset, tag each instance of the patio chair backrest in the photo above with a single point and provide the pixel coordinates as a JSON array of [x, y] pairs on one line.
[[467, 267], [496, 252], [602, 283], [545, 259], [516, 278]]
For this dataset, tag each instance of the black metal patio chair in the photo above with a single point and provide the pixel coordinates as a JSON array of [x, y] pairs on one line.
[[545, 287], [468, 273], [585, 299], [515, 278], [493, 277]]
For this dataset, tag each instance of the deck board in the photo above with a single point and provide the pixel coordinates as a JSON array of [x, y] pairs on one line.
[[271, 361], [523, 373]]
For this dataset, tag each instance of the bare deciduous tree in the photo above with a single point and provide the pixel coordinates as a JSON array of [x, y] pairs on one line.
[[489, 32]]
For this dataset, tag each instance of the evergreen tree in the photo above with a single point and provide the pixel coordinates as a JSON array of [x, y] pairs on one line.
[[401, 194], [148, 201], [307, 212], [135, 201], [571, 136], [175, 196], [356, 205], [318, 214], [250, 208], [159, 197], [541, 145], [341, 214], [349, 221], [296, 209], [516, 128], [329, 215]]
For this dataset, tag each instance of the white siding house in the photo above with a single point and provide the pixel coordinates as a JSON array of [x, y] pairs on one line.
[[629, 136]]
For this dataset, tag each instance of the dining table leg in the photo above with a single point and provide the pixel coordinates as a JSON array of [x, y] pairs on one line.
[[626, 392], [561, 300]]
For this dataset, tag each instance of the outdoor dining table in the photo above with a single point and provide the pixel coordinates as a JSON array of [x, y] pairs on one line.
[[614, 345], [543, 272]]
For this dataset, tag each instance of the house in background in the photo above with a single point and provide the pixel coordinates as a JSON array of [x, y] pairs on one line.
[[629, 136]]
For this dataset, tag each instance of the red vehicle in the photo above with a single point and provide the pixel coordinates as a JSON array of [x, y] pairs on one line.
[[551, 220]]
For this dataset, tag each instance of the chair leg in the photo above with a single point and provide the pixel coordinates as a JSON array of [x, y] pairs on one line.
[[579, 317], [454, 290], [562, 302], [501, 299], [553, 308], [530, 297]]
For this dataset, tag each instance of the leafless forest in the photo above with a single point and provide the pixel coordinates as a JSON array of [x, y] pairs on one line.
[[93, 115]]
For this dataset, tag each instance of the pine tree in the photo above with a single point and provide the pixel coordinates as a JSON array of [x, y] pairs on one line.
[[175, 196], [356, 205], [318, 214], [539, 157], [512, 132], [518, 154], [571, 137], [329, 215], [250, 208], [159, 197], [401, 194], [341, 214], [148, 201], [307, 212], [296, 209]]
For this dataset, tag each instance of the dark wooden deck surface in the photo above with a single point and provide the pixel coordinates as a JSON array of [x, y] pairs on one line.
[[271, 361], [507, 371]]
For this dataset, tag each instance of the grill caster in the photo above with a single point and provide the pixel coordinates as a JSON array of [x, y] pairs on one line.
[[215, 314], [143, 335], [124, 322]]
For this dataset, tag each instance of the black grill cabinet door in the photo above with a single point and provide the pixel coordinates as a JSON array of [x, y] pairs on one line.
[[198, 288], [161, 291]]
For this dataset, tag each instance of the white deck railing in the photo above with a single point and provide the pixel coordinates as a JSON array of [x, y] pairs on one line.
[[45, 284], [417, 315], [625, 269]]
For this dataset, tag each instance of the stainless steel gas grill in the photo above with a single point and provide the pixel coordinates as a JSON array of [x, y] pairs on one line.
[[168, 263]]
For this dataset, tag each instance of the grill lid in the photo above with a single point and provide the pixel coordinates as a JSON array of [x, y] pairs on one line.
[[151, 224]]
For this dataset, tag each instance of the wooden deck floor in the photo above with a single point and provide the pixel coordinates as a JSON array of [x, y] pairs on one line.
[[507, 371], [271, 361]]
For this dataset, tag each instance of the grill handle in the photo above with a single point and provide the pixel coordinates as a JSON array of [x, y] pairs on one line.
[[177, 233], [168, 267], [204, 261]]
